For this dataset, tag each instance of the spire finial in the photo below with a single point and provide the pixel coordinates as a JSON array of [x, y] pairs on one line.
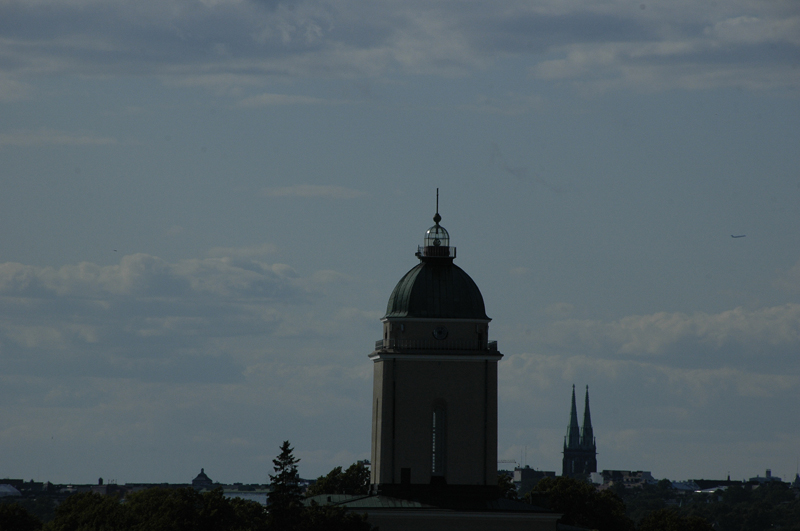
[[437, 218]]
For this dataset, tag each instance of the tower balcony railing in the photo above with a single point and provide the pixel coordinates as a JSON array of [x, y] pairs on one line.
[[439, 252], [435, 344]]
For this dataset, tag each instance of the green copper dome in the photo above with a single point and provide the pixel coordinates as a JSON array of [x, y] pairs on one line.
[[436, 288]]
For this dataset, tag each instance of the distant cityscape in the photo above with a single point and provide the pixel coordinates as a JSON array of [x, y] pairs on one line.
[[524, 479], [580, 461]]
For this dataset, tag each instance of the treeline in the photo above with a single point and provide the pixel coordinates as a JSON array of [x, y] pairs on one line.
[[773, 505], [185, 509], [652, 508], [659, 507]]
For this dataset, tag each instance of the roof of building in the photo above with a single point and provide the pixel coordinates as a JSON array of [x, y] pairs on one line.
[[201, 478], [371, 501], [436, 288], [8, 490]]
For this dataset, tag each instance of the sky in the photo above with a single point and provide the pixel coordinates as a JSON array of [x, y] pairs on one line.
[[205, 205]]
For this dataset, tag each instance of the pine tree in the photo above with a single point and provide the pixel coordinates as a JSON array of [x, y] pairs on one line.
[[284, 499]]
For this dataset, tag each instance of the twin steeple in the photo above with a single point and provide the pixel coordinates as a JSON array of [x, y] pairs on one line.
[[580, 450], [587, 433], [573, 438]]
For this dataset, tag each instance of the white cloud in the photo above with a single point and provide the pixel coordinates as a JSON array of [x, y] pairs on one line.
[[234, 45], [755, 30], [666, 333], [150, 276], [147, 318]]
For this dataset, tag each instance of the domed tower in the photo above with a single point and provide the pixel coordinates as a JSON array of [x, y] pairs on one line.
[[434, 424]]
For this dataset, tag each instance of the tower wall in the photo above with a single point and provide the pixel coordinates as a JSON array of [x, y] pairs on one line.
[[406, 392]]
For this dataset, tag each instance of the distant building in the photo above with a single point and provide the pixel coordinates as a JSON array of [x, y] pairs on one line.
[[714, 484], [767, 479], [8, 490], [685, 486], [202, 481], [525, 478], [580, 449], [630, 479]]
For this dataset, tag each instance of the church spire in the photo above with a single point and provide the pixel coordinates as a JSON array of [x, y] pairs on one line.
[[572, 440], [580, 452], [587, 433]]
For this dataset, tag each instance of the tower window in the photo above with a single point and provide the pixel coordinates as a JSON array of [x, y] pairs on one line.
[[438, 430]]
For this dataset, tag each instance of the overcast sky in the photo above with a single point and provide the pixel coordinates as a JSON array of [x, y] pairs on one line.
[[206, 204]]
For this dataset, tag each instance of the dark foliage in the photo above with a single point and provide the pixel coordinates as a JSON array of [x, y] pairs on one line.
[[88, 511], [158, 510], [185, 509], [670, 520], [739, 508], [41, 507], [581, 504], [354, 480], [770, 506], [14, 517], [284, 498], [332, 518], [505, 483]]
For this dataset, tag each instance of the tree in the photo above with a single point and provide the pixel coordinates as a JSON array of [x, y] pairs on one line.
[[581, 504], [251, 514], [354, 480], [14, 517], [159, 509], [332, 518], [284, 499], [88, 510], [506, 485], [669, 520]]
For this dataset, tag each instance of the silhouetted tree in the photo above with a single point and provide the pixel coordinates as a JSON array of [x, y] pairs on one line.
[[284, 499], [354, 480], [506, 485]]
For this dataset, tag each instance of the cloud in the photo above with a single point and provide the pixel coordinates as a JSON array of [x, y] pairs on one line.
[[50, 137], [252, 251], [233, 45], [142, 275], [312, 190], [149, 319], [733, 337], [523, 376], [756, 30]]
